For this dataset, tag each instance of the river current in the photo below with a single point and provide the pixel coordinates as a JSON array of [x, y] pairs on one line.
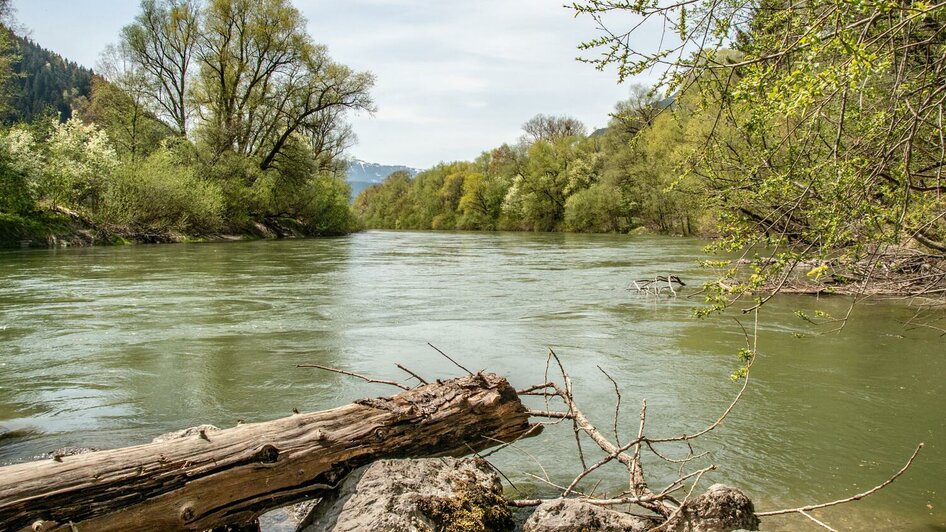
[[107, 347]]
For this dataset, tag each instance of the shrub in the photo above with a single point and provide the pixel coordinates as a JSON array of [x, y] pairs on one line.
[[162, 194], [597, 209]]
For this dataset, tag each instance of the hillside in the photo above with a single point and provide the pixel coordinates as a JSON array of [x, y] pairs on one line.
[[44, 81]]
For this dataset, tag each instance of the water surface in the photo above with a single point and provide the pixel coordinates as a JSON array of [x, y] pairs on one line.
[[108, 347]]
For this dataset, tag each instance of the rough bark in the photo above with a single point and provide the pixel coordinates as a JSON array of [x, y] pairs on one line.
[[231, 476]]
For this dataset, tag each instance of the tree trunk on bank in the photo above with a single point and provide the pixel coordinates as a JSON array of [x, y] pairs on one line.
[[231, 476]]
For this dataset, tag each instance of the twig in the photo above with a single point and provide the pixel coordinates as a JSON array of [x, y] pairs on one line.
[[513, 445], [352, 374], [859, 496], [617, 407], [819, 523], [638, 486], [490, 464], [719, 421], [412, 374], [571, 409], [455, 363], [550, 414], [699, 475], [526, 434], [537, 387]]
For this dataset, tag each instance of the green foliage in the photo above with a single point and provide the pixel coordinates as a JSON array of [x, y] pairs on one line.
[[627, 177], [133, 130], [79, 162], [819, 137], [18, 172], [597, 209], [159, 195]]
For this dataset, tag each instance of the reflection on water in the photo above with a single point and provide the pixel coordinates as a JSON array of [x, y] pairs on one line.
[[111, 346]]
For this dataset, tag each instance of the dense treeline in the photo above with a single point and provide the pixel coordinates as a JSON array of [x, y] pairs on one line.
[[208, 117], [557, 178]]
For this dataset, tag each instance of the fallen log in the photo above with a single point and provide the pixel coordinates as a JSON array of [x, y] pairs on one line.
[[231, 476]]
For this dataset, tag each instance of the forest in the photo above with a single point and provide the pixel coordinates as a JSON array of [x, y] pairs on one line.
[[559, 178]]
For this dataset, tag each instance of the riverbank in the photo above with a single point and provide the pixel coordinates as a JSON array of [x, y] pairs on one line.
[[64, 228]]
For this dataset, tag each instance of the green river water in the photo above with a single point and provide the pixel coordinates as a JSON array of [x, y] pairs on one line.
[[108, 347]]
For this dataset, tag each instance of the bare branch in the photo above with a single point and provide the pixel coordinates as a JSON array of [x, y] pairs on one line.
[[352, 374], [859, 496]]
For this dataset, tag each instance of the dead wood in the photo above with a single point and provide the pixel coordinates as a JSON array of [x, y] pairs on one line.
[[231, 476]]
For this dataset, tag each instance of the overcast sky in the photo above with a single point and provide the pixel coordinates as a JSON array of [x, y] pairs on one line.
[[454, 77]]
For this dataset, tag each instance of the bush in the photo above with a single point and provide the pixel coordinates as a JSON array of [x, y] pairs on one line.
[[162, 194], [597, 209], [78, 166], [19, 167]]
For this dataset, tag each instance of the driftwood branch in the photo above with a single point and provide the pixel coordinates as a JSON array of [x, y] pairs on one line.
[[629, 454], [231, 476], [353, 374], [852, 498]]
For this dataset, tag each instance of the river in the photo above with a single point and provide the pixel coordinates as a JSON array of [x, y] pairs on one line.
[[107, 347]]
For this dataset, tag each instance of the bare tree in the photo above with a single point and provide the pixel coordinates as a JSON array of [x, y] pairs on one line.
[[162, 43], [548, 128]]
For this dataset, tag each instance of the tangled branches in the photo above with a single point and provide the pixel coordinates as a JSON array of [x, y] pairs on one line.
[[663, 502], [666, 508]]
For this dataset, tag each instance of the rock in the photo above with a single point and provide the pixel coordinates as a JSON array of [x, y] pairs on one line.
[[720, 509], [568, 515], [433, 494], [186, 433], [287, 519]]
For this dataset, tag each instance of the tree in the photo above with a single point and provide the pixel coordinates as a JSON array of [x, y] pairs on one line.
[[161, 44], [550, 128], [824, 138], [638, 111], [119, 108], [263, 81]]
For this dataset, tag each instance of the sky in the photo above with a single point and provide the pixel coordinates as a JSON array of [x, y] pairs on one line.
[[454, 77]]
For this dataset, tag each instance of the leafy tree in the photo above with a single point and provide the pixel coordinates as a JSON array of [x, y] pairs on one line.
[[39, 82], [120, 111], [824, 125], [162, 194], [262, 80]]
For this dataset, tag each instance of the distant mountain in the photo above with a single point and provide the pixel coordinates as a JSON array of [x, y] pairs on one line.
[[362, 174], [45, 82]]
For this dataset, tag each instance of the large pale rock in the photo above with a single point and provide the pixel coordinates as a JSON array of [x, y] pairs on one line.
[[720, 509], [432, 494], [572, 515]]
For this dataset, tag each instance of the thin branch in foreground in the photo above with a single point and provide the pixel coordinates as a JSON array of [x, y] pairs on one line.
[[617, 407], [411, 373], [817, 522], [859, 496], [353, 374], [699, 475], [455, 363]]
